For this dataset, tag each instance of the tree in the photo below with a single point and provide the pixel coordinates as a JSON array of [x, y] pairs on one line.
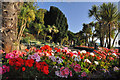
[[37, 26], [80, 38], [106, 15], [27, 15], [92, 25], [57, 18], [109, 14], [96, 14], [87, 32], [9, 25], [14, 25]]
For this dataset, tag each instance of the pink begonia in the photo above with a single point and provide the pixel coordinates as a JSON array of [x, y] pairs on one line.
[[64, 72], [5, 69], [62, 68], [66, 48], [77, 68], [83, 74], [14, 54], [71, 73], [0, 70]]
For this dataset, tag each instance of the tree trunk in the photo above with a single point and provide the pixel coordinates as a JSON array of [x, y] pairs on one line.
[[115, 39], [9, 25], [109, 45], [101, 43]]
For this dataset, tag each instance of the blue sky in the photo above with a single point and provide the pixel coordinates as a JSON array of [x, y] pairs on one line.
[[75, 12]]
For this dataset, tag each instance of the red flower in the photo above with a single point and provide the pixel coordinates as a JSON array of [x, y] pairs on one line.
[[26, 50], [58, 50], [109, 53], [82, 57], [23, 68], [42, 66], [37, 65], [111, 58], [98, 58], [79, 53], [18, 64], [29, 63], [71, 54], [16, 68], [63, 57], [11, 62], [45, 70]]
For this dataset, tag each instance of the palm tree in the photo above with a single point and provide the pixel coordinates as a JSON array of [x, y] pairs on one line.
[[11, 30], [9, 25], [106, 15], [96, 13], [109, 14]]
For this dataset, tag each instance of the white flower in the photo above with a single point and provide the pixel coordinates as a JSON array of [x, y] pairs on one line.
[[69, 50], [75, 52], [92, 54], [74, 56], [96, 62], [87, 60], [114, 54], [83, 51], [57, 73], [52, 54], [52, 58], [55, 67]]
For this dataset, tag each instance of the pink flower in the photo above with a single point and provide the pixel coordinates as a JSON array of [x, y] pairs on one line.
[[72, 65], [0, 70], [66, 48], [77, 68], [5, 69], [62, 68], [111, 58], [83, 74], [64, 73], [71, 73]]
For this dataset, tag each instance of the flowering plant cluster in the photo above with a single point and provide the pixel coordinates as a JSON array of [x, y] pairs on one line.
[[58, 62]]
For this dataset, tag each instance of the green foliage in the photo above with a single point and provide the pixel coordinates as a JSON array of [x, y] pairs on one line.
[[57, 18]]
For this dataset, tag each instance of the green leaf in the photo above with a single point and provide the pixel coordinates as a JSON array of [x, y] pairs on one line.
[[54, 63]]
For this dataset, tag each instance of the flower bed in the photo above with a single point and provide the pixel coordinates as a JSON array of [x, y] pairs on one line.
[[58, 63]]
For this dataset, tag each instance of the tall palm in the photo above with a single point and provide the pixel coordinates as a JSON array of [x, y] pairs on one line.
[[109, 14], [95, 12], [9, 25]]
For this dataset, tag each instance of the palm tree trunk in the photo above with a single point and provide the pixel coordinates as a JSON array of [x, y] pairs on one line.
[[109, 45], [9, 14], [115, 39], [101, 39]]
